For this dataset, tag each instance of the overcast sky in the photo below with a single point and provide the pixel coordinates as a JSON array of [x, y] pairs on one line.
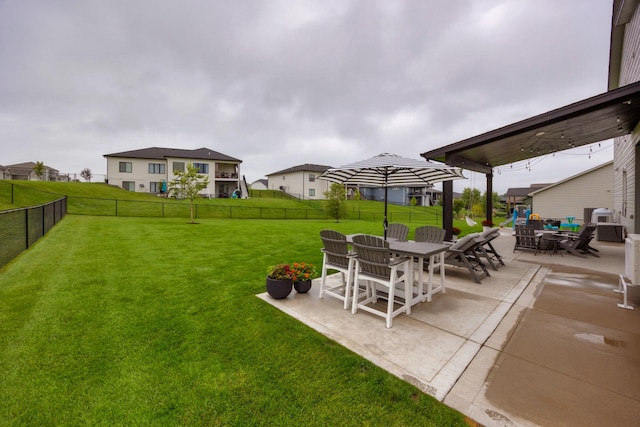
[[278, 83]]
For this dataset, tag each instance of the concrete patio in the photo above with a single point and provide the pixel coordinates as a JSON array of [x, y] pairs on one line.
[[541, 342]]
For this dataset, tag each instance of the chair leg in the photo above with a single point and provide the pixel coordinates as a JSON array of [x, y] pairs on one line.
[[391, 299], [495, 253], [575, 252]]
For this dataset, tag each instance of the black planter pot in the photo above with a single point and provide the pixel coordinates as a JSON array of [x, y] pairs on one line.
[[303, 286], [279, 289]]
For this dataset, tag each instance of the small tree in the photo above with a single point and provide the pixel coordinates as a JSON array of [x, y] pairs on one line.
[[413, 202], [335, 205], [188, 184], [39, 169], [86, 174], [458, 205], [357, 197]]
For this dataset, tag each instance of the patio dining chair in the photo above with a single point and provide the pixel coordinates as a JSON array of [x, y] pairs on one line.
[[429, 233], [375, 265], [336, 256], [397, 231]]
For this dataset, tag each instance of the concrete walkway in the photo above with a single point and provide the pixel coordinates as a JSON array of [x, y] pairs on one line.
[[540, 342]]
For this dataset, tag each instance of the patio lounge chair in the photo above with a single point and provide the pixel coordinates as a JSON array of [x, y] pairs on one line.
[[397, 231], [337, 257], [578, 244], [375, 264], [526, 238], [463, 253], [486, 249]]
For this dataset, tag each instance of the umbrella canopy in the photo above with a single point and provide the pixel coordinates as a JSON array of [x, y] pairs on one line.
[[389, 170]]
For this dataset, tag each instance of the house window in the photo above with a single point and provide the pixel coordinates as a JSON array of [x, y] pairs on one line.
[[129, 185], [156, 168], [312, 177], [125, 167], [312, 192], [155, 187], [202, 167], [178, 166]]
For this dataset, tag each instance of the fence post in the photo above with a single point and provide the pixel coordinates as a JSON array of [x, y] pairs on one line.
[[116, 207]]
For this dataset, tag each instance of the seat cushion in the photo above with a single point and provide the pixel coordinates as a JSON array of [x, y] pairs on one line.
[[461, 242]]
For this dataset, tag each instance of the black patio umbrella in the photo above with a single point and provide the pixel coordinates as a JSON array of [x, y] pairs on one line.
[[385, 170]]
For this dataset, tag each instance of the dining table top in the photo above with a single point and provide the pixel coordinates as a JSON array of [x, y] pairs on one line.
[[411, 247]]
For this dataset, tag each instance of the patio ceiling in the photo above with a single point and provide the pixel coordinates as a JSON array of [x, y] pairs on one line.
[[605, 116]]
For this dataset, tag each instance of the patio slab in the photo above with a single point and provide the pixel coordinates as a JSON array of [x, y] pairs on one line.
[[540, 342], [433, 345]]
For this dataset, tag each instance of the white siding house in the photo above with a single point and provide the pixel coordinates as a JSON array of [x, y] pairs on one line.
[[624, 68], [300, 181], [146, 169], [590, 189], [260, 184]]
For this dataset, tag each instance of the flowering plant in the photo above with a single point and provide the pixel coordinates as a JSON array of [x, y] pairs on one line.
[[301, 271], [279, 272], [455, 231], [487, 223]]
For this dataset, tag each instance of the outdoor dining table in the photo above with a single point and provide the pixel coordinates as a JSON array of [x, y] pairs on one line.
[[549, 241], [420, 250]]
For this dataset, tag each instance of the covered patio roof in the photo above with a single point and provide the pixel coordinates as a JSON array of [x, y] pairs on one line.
[[605, 116]]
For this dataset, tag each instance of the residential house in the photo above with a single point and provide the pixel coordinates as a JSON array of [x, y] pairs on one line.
[[146, 169], [24, 172], [425, 196], [260, 184], [520, 195], [624, 69], [589, 190], [300, 181]]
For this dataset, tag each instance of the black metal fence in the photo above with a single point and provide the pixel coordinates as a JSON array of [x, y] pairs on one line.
[[137, 208], [21, 228]]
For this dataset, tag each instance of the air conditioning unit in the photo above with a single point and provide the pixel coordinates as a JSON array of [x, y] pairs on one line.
[[631, 267]]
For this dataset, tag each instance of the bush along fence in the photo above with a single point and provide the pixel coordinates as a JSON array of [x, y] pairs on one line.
[[21, 228]]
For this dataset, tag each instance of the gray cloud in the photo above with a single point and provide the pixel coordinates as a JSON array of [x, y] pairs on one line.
[[280, 83]]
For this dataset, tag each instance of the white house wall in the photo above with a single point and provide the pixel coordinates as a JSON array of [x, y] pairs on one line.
[[142, 178], [297, 184], [626, 147], [569, 198]]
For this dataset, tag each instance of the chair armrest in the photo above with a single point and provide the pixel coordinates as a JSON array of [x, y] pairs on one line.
[[399, 260]]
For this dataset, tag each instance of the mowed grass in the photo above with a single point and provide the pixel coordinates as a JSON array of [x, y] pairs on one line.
[[146, 321]]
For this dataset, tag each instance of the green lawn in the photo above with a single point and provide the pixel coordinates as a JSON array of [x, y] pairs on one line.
[[145, 321]]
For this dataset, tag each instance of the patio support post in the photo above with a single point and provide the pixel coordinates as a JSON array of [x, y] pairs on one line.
[[489, 201], [447, 209]]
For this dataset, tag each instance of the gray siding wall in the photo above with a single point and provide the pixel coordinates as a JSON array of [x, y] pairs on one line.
[[625, 147]]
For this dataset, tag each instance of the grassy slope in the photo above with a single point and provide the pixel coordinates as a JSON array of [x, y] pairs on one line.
[[25, 195], [144, 321]]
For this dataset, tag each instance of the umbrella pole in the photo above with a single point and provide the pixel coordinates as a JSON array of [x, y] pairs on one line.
[[385, 223]]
